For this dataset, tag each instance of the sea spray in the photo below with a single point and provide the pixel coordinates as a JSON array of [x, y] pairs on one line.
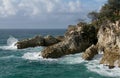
[[101, 69], [68, 59], [11, 41]]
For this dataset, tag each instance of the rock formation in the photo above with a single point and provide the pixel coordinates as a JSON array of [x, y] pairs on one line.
[[109, 43], [37, 41], [79, 38], [90, 52], [76, 40]]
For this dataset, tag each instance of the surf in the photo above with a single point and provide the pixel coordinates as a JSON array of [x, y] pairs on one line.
[[10, 44]]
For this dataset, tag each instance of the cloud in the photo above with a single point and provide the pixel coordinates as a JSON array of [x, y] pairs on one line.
[[45, 13], [37, 7]]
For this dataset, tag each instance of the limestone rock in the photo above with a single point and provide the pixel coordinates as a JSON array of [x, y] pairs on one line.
[[76, 40], [109, 43], [90, 52]]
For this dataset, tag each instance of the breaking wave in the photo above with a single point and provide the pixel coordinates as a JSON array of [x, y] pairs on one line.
[[69, 59], [11, 41], [94, 66]]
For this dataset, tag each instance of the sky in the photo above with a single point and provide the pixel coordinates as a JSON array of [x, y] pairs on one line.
[[28, 14]]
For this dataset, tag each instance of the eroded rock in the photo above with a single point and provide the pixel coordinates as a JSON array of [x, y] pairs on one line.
[[90, 52], [33, 42], [37, 41], [76, 40]]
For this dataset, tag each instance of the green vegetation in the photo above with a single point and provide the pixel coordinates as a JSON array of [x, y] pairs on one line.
[[110, 11]]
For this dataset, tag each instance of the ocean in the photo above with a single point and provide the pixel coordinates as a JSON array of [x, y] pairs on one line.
[[26, 63]]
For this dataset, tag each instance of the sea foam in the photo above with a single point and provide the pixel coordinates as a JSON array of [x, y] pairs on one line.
[[94, 66], [11, 41], [35, 56], [68, 59]]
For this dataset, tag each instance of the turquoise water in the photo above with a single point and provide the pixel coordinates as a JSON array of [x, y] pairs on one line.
[[27, 63]]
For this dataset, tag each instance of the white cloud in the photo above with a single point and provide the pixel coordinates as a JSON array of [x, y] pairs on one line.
[[7, 8], [37, 7]]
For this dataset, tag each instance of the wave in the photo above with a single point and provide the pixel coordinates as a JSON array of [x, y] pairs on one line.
[[94, 66], [11, 41], [35, 56], [69, 59], [8, 57]]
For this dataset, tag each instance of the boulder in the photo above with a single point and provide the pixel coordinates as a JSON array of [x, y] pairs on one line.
[[90, 52]]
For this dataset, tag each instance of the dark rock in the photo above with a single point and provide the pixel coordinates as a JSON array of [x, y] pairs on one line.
[[37, 41], [50, 40], [33, 42], [60, 38]]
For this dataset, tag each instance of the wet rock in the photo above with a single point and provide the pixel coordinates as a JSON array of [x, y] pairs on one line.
[[90, 52]]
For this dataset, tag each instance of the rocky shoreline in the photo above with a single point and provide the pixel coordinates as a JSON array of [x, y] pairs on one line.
[[81, 38]]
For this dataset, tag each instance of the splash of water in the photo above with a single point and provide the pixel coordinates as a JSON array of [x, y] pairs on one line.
[[94, 66], [69, 59], [11, 41]]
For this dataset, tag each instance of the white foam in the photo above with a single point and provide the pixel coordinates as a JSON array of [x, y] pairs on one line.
[[94, 66], [69, 59], [35, 56], [10, 44]]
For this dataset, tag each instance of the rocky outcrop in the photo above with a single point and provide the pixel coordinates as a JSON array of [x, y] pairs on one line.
[[33, 42], [90, 52], [108, 43], [111, 57], [37, 41], [50, 40], [76, 40], [60, 38]]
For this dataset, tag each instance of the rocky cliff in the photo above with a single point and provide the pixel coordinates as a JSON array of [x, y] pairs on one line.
[[108, 43], [82, 38]]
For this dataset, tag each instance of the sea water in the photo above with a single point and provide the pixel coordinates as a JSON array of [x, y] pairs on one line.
[[27, 63]]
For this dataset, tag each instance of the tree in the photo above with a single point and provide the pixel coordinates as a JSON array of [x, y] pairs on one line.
[[93, 16], [111, 10]]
